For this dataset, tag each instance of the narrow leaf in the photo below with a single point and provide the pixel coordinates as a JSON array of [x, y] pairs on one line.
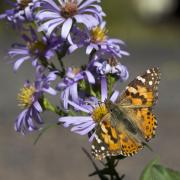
[[155, 171], [37, 138]]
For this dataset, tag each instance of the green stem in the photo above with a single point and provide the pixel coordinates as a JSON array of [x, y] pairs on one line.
[[92, 54], [92, 91], [109, 85], [111, 166], [43, 61], [111, 81], [48, 65], [60, 55], [37, 138], [50, 107]]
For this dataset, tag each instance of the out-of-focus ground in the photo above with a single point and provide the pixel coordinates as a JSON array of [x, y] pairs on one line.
[[58, 155]]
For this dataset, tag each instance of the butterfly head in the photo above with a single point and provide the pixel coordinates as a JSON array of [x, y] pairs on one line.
[[112, 107]]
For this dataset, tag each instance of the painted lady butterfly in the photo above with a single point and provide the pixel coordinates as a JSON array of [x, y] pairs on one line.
[[129, 121]]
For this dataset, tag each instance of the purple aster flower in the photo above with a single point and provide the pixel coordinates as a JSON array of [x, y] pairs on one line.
[[86, 124], [99, 41], [69, 85], [29, 119], [43, 81], [95, 39], [22, 11], [63, 13], [103, 67], [78, 38], [33, 50], [110, 66]]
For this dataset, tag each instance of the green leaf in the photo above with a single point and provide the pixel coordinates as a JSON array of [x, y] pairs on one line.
[[155, 171], [47, 105]]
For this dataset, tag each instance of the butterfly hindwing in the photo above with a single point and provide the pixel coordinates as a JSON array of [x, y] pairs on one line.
[[110, 142], [129, 144], [99, 149], [144, 119], [113, 141], [106, 141], [146, 122]]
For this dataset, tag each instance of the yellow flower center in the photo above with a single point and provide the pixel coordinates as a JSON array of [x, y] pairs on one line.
[[99, 112], [76, 70], [24, 3], [25, 97], [70, 9], [36, 46], [98, 34]]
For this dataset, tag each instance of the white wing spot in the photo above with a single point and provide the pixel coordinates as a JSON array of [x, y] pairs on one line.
[[148, 71], [150, 83], [102, 148], [141, 79], [98, 140], [93, 147], [132, 90]]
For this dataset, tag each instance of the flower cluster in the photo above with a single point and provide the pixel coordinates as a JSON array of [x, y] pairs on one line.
[[22, 11], [51, 30]]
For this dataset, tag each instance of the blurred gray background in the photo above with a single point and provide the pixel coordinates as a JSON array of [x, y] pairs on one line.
[[152, 36]]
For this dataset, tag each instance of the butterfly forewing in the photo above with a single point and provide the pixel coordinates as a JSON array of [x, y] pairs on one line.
[[142, 91]]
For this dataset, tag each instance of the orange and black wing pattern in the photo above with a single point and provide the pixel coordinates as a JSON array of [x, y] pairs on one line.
[[142, 91], [113, 136]]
